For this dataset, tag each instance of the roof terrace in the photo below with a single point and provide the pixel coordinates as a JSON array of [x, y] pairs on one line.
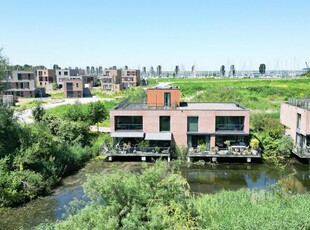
[[126, 105], [303, 103]]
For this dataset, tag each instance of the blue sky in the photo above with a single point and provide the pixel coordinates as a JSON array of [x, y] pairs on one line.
[[140, 33]]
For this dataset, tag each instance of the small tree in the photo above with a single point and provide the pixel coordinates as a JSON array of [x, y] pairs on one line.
[[54, 86], [3, 68], [222, 71], [38, 112], [285, 146], [96, 113], [262, 69]]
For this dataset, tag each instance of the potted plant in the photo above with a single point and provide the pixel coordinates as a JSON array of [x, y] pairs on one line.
[[227, 143], [144, 145], [202, 147], [254, 143], [215, 149], [157, 149]]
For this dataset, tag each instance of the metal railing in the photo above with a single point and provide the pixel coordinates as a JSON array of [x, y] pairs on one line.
[[220, 127], [129, 127], [133, 150], [300, 102]]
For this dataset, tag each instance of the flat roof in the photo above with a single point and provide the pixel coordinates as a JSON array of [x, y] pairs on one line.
[[212, 106], [163, 87], [184, 106]]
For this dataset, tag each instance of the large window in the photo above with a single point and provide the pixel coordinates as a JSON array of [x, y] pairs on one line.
[[192, 124], [229, 123], [19, 76], [69, 86], [298, 121], [128, 123], [196, 140], [164, 123]]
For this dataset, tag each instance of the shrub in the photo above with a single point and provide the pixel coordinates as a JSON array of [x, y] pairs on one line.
[[254, 143]]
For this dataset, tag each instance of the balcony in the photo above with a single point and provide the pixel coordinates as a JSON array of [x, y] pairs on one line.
[[302, 152], [232, 151]]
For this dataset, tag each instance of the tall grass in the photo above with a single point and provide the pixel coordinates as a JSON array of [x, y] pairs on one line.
[[255, 94]]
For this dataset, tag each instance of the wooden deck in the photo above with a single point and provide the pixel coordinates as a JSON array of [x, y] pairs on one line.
[[214, 157], [302, 155], [143, 155]]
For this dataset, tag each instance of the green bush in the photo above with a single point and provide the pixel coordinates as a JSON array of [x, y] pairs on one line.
[[164, 201]]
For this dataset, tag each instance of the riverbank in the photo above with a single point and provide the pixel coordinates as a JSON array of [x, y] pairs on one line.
[[164, 201], [202, 179]]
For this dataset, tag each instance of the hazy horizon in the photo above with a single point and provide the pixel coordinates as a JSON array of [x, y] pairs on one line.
[[139, 33]]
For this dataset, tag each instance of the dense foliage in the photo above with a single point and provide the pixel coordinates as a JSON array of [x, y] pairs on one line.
[[3, 68], [34, 158], [160, 198]]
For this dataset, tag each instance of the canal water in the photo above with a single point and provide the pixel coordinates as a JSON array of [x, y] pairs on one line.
[[206, 178]]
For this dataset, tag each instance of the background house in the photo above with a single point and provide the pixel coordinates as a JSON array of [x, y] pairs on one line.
[[295, 115]]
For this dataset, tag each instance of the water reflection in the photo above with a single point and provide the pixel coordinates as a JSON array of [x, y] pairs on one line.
[[210, 179]]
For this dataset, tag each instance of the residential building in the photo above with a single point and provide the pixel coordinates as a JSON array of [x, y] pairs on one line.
[[73, 88], [111, 80], [67, 74], [130, 77], [163, 120], [45, 77], [295, 115], [20, 83]]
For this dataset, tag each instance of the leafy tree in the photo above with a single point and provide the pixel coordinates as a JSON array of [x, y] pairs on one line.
[[55, 66], [222, 71], [262, 69], [75, 113], [285, 146], [136, 94], [3, 68], [28, 67], [96, 112], [9, 131], [54, 86], [71, 132], [38, 112]]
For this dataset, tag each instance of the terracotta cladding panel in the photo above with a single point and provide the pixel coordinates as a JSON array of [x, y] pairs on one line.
[[156, 97]]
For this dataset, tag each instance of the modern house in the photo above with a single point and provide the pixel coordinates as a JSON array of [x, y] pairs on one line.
[[73, 88], [130, 77], [295, 115], [45, 77], [67, 74], [111, 80], [20, 83], [163, 120]]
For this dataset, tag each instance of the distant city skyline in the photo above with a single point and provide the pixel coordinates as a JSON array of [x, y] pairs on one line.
[[140, 33]]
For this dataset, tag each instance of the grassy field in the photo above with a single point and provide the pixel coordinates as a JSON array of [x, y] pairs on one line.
[[255, 94]]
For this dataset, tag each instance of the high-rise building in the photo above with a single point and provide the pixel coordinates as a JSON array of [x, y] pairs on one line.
[[159, 71]]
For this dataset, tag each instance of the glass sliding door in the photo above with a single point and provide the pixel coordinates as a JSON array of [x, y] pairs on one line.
[[167, 99]]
